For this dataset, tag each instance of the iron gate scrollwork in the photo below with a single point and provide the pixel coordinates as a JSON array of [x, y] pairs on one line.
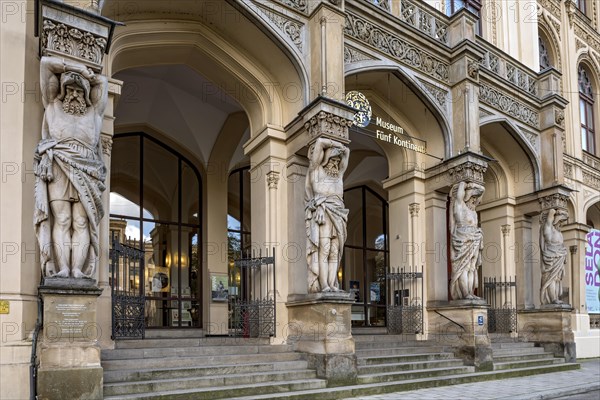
[[127, 290], [405, 308], [501, 296], [252, 310]]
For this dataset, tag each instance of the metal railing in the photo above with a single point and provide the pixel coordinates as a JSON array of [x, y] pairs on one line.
[[501, 296], [405, 308]]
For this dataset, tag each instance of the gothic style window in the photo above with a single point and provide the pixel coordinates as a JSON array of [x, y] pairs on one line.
[[581, 6], [155, 206], [474, 6], [544, 56], [586, 112]]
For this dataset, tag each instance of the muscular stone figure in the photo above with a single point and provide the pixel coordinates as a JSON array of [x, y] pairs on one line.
[[554, 255], [69, 169], [467, 240], [325, 214]]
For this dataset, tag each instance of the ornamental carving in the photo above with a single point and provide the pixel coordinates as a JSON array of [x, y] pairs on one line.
[[468, 172], [512, 73], [292, 29], [440, 95], [352, 55], [588, 36], [559, 117], [553, 7], [568, 170], [414, 208], [509, 105], [414, 15], [328, 124], [299, 5], [70, 41], [592, 180], [273, 179], [473, 69], [556, 200], [532, 138], [107, 143], [396, 47], [592, 161]]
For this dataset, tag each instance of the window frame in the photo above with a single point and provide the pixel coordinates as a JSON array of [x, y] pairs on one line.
[[586, 110]]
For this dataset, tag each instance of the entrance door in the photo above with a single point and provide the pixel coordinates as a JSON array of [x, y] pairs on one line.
[[155, 204], [366, 255]]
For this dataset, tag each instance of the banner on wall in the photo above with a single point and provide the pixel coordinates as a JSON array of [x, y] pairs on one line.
[[592, 272]]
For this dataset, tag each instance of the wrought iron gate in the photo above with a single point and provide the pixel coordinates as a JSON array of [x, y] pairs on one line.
[[501, 296], [253, 308], [405, 306], [127, 289]]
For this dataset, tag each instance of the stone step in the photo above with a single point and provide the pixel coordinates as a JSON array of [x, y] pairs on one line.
[[408, 366], [417, 374], [167, 362], [521, 351], [369, 330], [519, 357], [189, 342], [173, 333], [345, 392], [386, 338], [113, 376], [268, 389], [512, 345], [378, 360], [398, 351], [391, 344], [527, 363], [128, 354], [216, 381]]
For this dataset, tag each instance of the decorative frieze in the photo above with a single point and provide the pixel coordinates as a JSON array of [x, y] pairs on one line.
[[292, 29], [556, 200], [352, 55], [468, 172], [553, 7], [589, 36], [509, 105], [298, 5], [415, 15], [591, 160], [328, 124], [405, 52], [568, 170], [532, 138], [440, 95], [67, 40], [512, 73], [592, 180], [383, 4]]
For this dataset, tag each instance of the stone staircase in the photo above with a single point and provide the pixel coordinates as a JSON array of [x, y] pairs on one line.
[[203, 368], [249, 369]]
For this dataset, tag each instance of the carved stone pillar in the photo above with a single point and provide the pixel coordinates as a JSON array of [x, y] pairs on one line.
[[75, 95], [524, 261], [325, 308]]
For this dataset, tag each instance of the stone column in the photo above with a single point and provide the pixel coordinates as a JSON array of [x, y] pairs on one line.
[[76, 97], [320, 321], [524, 263]]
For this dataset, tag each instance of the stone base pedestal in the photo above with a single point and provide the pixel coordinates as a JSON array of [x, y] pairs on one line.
[[320, 325], [463, 324], [69, 353], [550, 327]]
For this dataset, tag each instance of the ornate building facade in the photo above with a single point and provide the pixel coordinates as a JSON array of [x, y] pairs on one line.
[[212, 109]]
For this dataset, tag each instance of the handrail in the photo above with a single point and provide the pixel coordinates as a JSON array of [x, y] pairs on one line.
[[454, 322]]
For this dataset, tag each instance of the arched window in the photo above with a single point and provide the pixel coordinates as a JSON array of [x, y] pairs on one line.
[[545, 60], [155, 206], [366, 255], [586, 112]]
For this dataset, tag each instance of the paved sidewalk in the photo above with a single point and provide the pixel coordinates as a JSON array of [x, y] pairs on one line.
[[538, 387]]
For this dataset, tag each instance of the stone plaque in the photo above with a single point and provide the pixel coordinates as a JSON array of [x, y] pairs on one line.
[[68, 318], [4, 307]]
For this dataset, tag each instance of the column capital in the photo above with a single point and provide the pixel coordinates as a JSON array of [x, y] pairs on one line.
[[273, 179], [556, 197], [328, 118], [505, 229], [414, 209]]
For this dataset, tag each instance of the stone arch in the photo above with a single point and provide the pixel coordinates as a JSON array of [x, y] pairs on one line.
[[523, 142], [410, 79], [550, 38]]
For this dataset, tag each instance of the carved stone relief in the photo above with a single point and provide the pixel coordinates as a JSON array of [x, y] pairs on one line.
[[509, 105], [292, 29], [329, 124], [393, 45], [440, 95], [71, 41], [352, 55]]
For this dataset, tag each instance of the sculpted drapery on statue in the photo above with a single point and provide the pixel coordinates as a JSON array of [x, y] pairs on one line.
[[69, 170], [554, 255], [466, 239], [325, 214]]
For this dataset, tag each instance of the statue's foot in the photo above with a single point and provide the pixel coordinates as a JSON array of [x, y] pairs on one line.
[[63, 273], [558, 302], [472, 297], [78, 274], [327, 289]]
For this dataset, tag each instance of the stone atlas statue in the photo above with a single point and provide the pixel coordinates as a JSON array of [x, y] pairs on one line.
[[69, 170], [466, 239], [554, 255], [325, 214]]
